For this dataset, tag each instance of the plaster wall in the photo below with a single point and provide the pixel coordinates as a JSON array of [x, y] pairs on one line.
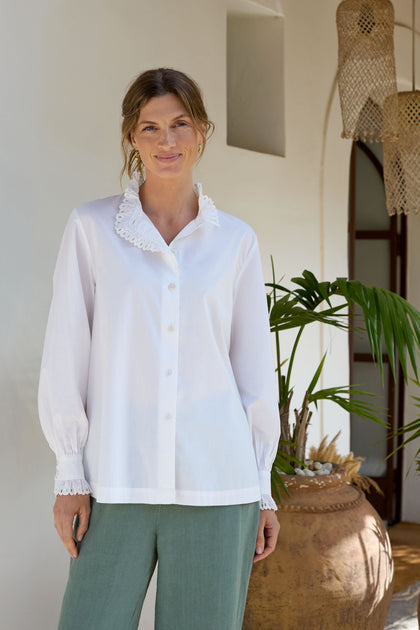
[[65, 67]]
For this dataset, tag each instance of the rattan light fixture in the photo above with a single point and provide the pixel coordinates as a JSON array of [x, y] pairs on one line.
[[366, 67], [402, 158]]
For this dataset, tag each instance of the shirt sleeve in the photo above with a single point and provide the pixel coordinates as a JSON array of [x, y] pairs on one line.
[[65, 361], [253, 366]]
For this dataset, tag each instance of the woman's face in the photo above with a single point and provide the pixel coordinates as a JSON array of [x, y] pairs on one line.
[[166, 138]]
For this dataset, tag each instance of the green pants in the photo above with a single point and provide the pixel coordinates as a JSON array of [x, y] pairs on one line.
[[204, 559]]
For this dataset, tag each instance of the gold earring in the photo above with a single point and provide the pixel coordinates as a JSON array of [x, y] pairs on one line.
[[139, 163], [200, 148]]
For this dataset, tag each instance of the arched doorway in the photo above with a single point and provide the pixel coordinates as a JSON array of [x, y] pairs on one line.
[[377, 256]]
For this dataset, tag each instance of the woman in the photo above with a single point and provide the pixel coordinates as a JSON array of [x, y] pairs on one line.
[[157, 387]]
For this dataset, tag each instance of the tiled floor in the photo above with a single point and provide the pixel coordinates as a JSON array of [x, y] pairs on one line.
[[405, 542]]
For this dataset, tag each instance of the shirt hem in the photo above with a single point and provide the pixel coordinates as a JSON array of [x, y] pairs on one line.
[[170, 496]]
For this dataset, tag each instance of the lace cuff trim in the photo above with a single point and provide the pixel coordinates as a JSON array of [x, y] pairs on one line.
[[72, 486], [267, 503]]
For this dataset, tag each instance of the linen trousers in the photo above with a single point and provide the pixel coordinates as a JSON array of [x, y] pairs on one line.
[[204, 556]]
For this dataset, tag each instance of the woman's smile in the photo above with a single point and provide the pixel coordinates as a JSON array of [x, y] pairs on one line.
[[168, 158]]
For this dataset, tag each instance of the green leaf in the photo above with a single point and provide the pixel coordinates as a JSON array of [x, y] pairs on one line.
[[348, 398], [276, 482], [391, 332], [287, 315], [316, 375], [408, 334], [412, 427], [388, 316], [283, 465]]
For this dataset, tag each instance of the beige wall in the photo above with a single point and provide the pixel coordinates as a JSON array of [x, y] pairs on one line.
[[66, 66]]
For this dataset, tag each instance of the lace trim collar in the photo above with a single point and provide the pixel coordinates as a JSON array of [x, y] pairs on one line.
[[133, 224]]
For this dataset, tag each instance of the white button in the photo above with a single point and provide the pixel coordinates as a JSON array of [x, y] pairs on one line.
[[168, 416], [171, 286], [171, 328], [169, 372], [173, 250]]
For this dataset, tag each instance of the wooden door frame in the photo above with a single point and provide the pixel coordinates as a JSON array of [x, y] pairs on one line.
[[389, 504]]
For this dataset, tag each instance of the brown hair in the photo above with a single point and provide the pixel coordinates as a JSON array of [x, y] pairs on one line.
[[153, 83]]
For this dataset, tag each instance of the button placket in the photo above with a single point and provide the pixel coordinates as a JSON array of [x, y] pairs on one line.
[[169, 371]]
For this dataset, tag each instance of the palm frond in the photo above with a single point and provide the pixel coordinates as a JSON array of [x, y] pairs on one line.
[[348, 398], [412, 428], [282, 465], [317, 374], [387, 317], [277, 483], [287, 313]]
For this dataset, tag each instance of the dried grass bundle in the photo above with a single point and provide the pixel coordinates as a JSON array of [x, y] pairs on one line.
[[327, 452]]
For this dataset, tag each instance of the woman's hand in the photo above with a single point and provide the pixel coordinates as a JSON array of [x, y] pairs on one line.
[[268, 531], [66, 507]]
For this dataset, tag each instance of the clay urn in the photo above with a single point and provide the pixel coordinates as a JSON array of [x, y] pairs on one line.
[[332, 568]]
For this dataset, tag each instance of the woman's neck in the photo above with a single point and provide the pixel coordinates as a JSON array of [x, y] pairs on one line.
[[169, 201]]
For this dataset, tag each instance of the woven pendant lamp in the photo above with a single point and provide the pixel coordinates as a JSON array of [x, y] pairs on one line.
[[402, 157], [366, 67]]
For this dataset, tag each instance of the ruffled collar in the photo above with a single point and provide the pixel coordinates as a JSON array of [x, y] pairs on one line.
[[133, 224]]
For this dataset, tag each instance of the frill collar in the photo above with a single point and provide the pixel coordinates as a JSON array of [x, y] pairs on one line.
[[133, 224]]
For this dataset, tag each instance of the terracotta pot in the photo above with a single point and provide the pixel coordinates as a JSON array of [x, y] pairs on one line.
[[332, 568]]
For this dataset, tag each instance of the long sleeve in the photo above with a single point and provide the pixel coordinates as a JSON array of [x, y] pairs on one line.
[[65, 362], [252, 362]]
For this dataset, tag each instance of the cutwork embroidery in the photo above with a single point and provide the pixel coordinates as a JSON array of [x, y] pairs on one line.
[[72, 486], [267, 503], [133, 225]]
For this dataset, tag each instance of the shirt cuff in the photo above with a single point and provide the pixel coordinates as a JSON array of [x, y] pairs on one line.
[[266, 502], [70, 467], [265, 482], [72, 486]]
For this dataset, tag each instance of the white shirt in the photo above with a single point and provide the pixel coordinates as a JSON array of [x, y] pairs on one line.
[[157, 381]]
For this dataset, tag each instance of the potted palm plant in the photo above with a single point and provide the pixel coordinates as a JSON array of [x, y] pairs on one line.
[[333, 562]]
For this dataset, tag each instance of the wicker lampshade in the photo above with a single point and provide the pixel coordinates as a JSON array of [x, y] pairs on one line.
[[402, 158], [366, 67]]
